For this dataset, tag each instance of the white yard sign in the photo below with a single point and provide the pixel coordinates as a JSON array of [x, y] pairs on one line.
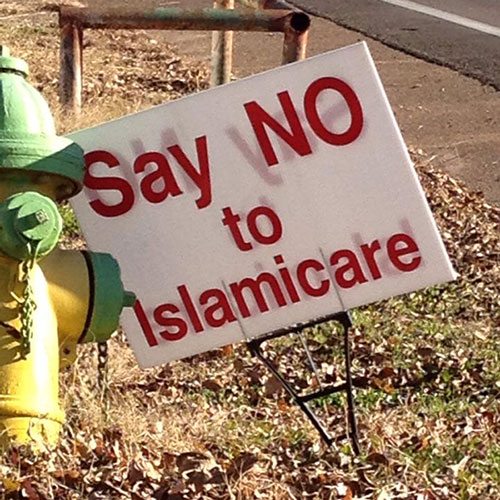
[[274, 200]]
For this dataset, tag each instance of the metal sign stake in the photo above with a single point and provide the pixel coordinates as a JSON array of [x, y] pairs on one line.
[[344, 318]]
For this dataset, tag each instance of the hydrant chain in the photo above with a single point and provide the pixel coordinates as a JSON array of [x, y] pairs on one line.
[[28, 304], [103, 376]]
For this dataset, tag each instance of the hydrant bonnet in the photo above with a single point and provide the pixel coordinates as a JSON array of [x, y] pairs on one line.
[[28, 141]]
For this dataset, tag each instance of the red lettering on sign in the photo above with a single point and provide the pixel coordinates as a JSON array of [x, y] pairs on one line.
[[302, 269], [351, 266], [254, 285], [145, 325], [190, 309], [396, 251], [277, 228], [108, 183], [163, 174], [202, 177], [369, 255], [155, 186], [215, 304], [286, 277], [219, 307], [231, 221], [310, 106], [179, 325], [296, 138]]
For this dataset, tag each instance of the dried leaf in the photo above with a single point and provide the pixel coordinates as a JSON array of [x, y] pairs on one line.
[[10, 485], [377, 458], [272, 386], [387, 372], [28, 491], [190, 461], [135, 473], [242, 464], [211, 385]]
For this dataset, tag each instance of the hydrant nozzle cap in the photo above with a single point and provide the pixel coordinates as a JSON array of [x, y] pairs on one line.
[[28, 220], [38, 220], [9, 63]]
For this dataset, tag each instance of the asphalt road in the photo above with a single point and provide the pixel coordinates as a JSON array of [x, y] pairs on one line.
[[461, 34]]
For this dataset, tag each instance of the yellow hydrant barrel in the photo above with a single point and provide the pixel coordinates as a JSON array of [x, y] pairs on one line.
[[29, 386]]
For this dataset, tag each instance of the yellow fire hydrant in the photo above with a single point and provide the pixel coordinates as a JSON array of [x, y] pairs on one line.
[[50, 299]]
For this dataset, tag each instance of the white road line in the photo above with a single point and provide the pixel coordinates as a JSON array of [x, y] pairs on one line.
[[446, 16]]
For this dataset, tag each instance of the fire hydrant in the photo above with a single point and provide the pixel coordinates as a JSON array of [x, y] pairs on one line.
[[50, 299]]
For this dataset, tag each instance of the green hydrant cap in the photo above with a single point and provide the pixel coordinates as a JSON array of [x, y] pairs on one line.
[[28, 221], [28, 141]]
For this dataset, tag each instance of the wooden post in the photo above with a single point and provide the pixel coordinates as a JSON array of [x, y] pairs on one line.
[[70, 79], [222, 51]]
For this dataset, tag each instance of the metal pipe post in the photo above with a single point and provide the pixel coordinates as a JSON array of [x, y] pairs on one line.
[[345, 320], [70, 79], [73, 20], [222, 50], [296, 30], [295, 38], [171, 18]]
